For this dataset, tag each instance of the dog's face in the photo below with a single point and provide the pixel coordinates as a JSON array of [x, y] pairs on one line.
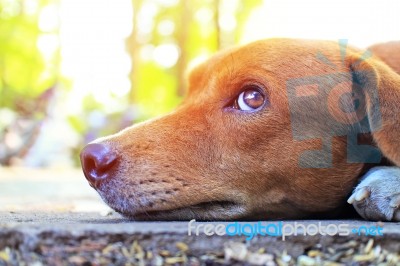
[[229, 151]]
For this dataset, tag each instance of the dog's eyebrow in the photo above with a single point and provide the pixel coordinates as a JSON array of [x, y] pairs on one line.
[[197, 72], [198, 76], [195, 78], [229, 67]]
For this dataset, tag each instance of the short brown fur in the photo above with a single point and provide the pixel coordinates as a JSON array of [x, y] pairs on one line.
[[247, 162]]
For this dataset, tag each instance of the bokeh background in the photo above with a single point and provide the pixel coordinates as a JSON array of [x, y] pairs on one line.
[[75, 70]]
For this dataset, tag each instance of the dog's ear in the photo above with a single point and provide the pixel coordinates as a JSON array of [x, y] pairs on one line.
[[380, 86], [389, 53]]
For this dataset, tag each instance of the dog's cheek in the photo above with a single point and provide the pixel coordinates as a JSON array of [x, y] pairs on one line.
[[178, 148]]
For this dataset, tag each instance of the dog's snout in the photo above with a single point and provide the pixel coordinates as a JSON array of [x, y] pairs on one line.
[[97, 160]]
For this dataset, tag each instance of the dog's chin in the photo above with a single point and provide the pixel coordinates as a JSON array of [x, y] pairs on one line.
[[205, 211]]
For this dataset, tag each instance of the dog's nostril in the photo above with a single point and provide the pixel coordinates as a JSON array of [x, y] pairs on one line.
[[97, 160], [89, 164]]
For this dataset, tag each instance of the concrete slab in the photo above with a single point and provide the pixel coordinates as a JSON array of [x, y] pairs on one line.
[[57, 190], [55, 212]]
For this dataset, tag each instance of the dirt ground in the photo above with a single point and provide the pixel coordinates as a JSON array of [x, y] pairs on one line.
[[52, 217]]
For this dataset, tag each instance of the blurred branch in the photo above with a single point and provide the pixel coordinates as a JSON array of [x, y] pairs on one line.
[[2, 83], [26, 73], [182, 39], [216, 21], [20, 135], [133, 48]]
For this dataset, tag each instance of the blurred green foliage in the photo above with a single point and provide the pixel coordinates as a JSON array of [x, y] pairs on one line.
[[193, 28], [23, 69], [197, 31]]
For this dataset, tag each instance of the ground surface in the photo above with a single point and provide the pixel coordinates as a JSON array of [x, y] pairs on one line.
[[52, 217]]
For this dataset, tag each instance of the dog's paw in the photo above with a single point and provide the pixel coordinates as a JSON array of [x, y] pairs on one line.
[[377, 197]]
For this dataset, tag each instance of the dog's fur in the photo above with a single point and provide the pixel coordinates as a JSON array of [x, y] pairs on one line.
[[207, 160]]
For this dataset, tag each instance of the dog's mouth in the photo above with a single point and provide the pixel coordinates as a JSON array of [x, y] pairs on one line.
[[208, 210]]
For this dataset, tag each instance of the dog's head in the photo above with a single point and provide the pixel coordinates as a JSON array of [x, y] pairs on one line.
[[240, 144]]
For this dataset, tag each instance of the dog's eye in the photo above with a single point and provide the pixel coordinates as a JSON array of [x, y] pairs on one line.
[[249, 100]]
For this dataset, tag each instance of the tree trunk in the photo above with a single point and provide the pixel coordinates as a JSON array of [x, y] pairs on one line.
[[182, 38], [133, 48]]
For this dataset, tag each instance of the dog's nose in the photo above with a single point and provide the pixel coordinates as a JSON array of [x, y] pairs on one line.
[[97, 160]]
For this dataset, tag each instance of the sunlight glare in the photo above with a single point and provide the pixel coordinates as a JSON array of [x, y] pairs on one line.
[[48, 19], [93, 51], [166, 55], [331, 19]]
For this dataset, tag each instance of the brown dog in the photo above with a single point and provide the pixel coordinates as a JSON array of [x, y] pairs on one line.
[[276, 129]]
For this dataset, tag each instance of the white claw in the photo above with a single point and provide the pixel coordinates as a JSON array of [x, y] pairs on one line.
[[351, 199], [362, 193], [395, 202]]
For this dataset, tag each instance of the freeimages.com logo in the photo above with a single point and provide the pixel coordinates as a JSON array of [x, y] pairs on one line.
[[279, 229], [335, 104]]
